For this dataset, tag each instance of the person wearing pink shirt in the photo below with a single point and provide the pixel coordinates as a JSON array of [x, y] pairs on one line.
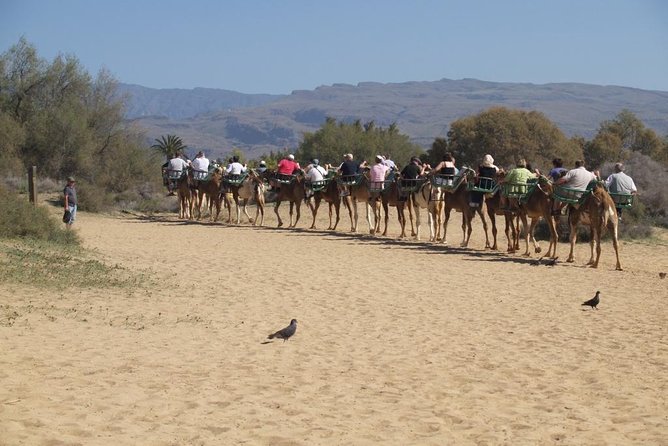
[[287, 166], [378, 173]]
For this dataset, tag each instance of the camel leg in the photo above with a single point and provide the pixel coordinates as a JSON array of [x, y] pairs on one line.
[[446, 219], [236, 202], [409, 205], [369, 211], [352, 209], [245, 210], [337, 210], [492, 221], [292, 208], [534, 222], [593, 245], [484, 226], [572, 223], [314, 211], [280, 222], [298, 204], [417, 222], [612, 227]]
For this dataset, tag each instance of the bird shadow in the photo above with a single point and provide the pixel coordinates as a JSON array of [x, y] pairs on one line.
[[266, 342]]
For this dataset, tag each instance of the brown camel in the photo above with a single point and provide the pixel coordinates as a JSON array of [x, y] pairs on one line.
[[533, 200], [393, 195], [243, 188], [209, 188], [292, 191], [497, 205], [330, 193], [597, 210], [458, 197], [181, 181], [358, 192]]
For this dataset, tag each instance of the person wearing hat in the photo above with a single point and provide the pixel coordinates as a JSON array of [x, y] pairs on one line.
[[485, 179], [288, 165], [378, 173], [262, 167], [70, 199]]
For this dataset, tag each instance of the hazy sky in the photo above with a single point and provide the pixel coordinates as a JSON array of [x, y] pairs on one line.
[[255, 46]]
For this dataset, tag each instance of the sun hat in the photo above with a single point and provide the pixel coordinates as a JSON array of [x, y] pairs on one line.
[[291, 157], [316, 161], [262, 163], [379, 158], [70, 179]]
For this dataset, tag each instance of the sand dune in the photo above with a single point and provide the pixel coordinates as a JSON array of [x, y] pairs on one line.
[[398, 343]]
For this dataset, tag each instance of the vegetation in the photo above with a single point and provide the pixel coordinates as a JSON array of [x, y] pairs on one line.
[[57, 117], [334, 139], [509, 135], [169, 146]]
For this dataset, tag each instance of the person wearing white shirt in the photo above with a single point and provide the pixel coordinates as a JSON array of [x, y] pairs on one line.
[[201, 162], [235, 167], [315, 172]]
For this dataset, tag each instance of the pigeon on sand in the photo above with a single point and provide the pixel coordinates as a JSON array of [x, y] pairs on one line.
[[593, 302], [285, 333]]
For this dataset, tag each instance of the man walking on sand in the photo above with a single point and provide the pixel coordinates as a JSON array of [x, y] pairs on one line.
[[70, 198]]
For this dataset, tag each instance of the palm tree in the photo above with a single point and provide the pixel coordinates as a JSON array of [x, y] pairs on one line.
[[170, 146]]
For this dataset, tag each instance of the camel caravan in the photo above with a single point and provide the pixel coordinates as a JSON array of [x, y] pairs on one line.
[[523, 198]]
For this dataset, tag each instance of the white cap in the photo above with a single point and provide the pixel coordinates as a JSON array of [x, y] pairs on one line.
[[291, 157]]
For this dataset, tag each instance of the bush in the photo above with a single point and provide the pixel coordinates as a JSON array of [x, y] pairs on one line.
[[20, 219]]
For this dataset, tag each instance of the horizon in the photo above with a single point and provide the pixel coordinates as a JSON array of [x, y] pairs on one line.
[[243, 46]]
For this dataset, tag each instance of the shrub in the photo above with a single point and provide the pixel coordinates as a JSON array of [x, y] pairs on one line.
[[20, 219]]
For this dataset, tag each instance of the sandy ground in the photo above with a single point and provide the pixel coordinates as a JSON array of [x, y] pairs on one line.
[[398, 343]]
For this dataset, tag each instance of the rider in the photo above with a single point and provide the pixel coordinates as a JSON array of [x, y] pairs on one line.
[[620, 183], [486, 170], [447, 168], [175, 168], [578, 179], [288, 165], [235, 167], [314, 172], [378, 173], [349, 169]]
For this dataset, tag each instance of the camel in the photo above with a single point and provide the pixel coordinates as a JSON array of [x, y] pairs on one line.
[[429, 197], [182, 181], [597, 210], [533, 201], [394, 196], [211, 189], [245, 188], [329, 193], [358, 192], [457, 197], [292, 191], [497, 205]]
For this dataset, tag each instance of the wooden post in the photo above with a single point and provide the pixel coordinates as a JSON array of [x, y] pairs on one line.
[[32, 184]]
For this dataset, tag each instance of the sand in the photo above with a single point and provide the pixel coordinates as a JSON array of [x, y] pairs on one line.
[[398, 343]]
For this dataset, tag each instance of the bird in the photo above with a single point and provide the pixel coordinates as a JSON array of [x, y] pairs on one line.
[[662, 275], [593, 302], [552, 262], [285, 333]]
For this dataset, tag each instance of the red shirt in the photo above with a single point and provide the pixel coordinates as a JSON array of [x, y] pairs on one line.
[[287, 166]]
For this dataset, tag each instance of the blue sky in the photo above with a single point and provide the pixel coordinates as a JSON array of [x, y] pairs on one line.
[[256, 46]]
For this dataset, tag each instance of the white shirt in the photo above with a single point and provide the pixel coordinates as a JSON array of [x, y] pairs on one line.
[[177, 164], [316, 173], [236, 169], [201, 164], [578, 178]]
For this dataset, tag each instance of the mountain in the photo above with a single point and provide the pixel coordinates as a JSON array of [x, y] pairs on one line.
[[422, 110], [176, 103]]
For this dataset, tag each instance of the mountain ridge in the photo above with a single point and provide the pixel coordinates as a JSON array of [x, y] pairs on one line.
[[218, 120]]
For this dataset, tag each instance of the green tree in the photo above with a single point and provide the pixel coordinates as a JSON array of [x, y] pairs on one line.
[[509, 135], [169, 146], [435, 154], [334, 139], [66, 122], [618, 137]]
